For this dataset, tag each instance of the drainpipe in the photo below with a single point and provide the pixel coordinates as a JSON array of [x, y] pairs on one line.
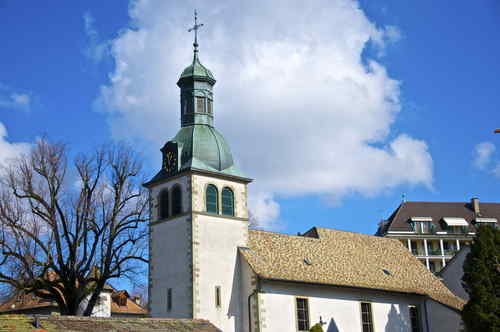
[[426, 316], [255, 292]]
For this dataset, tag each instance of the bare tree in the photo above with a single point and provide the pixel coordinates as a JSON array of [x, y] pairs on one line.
[[63, 237]]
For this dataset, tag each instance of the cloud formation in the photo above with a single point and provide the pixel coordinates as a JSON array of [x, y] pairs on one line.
[[303, 110], [14, 100], [95, 49], [8, 150], [482, 154]]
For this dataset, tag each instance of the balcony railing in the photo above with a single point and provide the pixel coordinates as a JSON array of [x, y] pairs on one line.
[[417, 252], [434, 252], [450, 252]]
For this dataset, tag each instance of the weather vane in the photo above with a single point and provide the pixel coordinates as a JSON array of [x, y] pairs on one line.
[[195, 28]]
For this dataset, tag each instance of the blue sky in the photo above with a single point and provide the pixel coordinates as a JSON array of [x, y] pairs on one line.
[[433, 94]]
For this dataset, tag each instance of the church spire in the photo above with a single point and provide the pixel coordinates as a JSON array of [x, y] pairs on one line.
[[196, 83], [195, 29]]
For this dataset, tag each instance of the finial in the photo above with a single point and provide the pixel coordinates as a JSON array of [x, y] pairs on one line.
[[195, 28], [403, 197]]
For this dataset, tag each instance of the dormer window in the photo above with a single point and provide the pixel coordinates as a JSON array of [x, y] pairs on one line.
[[455, 225], [486, 222], [421, 224]]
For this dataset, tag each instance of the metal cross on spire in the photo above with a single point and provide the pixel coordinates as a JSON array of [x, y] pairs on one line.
[[195, 28]]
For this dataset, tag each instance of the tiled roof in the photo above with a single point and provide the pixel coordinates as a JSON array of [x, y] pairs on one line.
[[130, 306], [25, 302], [23, 323], [22, 302], [327, 256], [398, 221]]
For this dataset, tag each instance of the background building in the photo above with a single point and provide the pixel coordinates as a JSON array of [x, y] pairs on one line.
[[111, 303], [435, 231]]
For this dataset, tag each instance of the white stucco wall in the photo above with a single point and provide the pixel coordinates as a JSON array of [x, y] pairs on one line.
[[170, 268], [215, 261], [442, 318], [200, 182], [101, 309], [170, 256], [247, 287], [339, 308], [184, 182]]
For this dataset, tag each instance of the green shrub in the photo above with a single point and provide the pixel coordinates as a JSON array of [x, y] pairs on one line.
[[316, 328]]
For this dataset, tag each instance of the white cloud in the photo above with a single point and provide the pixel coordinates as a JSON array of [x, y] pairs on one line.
[[496, 170], [264, 211], [304, 114], [95, 49], [8, 150], [12, 100], [482, 154]]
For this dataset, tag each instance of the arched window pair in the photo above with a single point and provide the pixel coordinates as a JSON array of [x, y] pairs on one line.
[[164, 203], [212, 200]]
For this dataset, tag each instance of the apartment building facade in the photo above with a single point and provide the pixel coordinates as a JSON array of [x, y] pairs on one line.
[[435, 231]]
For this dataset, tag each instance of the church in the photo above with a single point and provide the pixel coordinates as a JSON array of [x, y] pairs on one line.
[[205, 262]]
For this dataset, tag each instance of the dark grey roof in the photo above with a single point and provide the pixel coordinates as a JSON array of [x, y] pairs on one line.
[[398, 221]]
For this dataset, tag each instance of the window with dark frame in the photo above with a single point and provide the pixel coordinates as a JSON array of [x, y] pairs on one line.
[[209, 106], [163, 204], [218, 301], [200, 104], [414, 318], [176, 201], [366, 317], [302, 314], [227, 202], [169, 299], [211, 197]]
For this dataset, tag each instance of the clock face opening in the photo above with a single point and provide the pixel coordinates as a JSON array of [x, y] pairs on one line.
[[170, 157]]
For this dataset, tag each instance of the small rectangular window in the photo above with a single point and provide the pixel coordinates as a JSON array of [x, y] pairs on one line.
[[366, 317], [200, 104], [218, 301], [209, 104], [414, 318], [169, 299], [302, 314]]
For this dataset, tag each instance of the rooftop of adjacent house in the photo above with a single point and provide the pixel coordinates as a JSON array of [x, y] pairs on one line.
[[121, 303], [24, 323], [436, 211], [338, 258]]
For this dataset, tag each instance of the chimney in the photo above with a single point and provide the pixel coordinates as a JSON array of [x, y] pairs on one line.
[[475, 206], [137, 299]]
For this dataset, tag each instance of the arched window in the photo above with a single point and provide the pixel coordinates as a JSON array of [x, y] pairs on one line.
[[211, 197], [176, 200], [163, 204], [227, 202]]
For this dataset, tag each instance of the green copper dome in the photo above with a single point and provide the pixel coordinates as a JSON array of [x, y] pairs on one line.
[[197, 71], [203, 147]]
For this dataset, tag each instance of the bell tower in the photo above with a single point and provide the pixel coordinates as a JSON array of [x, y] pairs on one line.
[[198, 214]]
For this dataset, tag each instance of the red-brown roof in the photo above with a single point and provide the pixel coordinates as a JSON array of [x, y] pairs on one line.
[[398, 221], [25, 302]]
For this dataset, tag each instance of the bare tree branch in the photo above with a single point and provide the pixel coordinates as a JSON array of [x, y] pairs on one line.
[[64, 238]]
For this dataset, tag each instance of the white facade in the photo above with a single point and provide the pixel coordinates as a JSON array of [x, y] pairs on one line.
[[339, 309], [194, 254], [102, 308]]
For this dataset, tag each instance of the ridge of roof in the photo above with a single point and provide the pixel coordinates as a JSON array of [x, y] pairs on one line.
[[445, 202]]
